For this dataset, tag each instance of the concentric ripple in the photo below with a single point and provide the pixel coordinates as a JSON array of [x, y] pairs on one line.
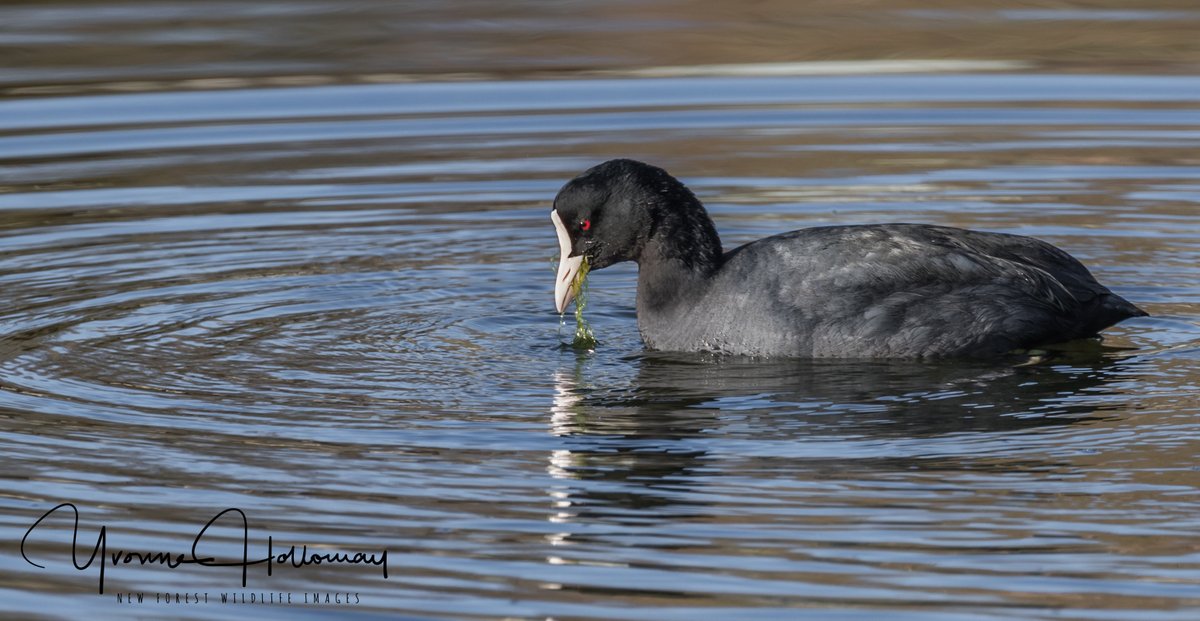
[[311, 313]]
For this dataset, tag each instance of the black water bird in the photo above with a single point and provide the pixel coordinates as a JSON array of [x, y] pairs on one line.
[[864, 291]]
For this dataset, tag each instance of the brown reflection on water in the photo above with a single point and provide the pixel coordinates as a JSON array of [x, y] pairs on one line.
[[49, 48]]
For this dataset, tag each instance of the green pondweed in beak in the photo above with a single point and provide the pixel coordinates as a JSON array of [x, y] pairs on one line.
[[584, 338]]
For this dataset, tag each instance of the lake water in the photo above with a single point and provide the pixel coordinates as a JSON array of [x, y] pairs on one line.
[[295, 258]]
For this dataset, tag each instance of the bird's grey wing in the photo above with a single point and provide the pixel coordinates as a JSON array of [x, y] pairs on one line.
[[910, 291]]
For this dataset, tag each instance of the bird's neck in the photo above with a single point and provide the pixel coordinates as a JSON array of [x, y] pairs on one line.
[[668, 282], [670, 294], [680, 256]]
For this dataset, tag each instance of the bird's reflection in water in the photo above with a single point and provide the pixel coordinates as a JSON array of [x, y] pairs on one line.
[[622, 439], [640, 454]]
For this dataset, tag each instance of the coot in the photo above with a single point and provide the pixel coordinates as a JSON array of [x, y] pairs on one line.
[[868, 291]]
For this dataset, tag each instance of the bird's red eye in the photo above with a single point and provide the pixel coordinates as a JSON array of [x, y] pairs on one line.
[[585, 225]]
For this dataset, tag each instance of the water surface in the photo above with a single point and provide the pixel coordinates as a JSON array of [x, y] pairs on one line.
[[295, 258]]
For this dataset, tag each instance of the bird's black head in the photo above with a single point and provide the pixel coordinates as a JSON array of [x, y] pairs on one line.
[[615, 211], [605, 215]]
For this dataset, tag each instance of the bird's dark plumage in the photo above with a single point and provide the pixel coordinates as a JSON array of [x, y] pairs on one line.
[[872, 291]]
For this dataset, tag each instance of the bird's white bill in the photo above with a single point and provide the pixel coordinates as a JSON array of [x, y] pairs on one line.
[[568, 266]]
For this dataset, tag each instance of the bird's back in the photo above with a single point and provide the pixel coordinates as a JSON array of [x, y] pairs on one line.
[[893, 290]]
